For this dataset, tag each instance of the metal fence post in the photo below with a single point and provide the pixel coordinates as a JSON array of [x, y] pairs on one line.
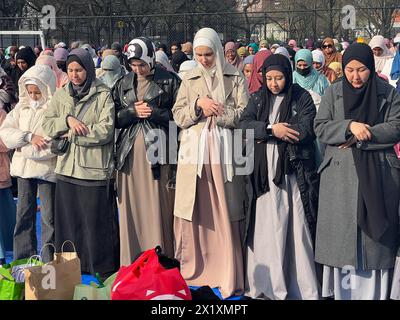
[[265, 25]]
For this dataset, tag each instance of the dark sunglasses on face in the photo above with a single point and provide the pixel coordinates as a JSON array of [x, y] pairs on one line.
[[327, 46]]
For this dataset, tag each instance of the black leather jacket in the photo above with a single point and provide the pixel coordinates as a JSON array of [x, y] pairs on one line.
[[160, 96]]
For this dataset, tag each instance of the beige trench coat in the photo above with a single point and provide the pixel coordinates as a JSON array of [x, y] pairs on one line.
[[192, 87]]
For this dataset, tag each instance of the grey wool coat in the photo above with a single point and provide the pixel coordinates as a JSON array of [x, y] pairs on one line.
[[339, 240]]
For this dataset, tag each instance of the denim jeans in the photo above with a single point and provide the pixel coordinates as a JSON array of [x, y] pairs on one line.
[[7, 221], [25, 241]]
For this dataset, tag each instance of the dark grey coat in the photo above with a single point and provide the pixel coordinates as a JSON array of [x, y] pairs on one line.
[[336, 239]]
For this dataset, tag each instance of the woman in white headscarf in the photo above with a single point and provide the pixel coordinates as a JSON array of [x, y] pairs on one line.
[[209, 202], [321, 67], [382, 55], [162, 60]]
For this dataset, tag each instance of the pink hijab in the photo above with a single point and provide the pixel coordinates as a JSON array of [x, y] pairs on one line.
[[255, 82], [237, 61], [61, 77]]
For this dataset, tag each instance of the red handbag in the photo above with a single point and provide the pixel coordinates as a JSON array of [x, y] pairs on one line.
[[147, 279]]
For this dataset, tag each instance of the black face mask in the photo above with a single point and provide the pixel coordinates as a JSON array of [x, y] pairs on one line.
[[304, 72]]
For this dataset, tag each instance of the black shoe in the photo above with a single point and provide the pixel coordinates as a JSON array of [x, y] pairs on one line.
[[2, 261]]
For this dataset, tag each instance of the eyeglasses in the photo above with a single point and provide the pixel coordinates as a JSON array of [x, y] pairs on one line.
[[327, 46]]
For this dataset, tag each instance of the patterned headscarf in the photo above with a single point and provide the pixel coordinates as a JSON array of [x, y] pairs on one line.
[[142, 48]]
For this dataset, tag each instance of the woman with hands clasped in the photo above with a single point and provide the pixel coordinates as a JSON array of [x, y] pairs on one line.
[[209, 204], [358, 215], [33, 163], [280, 236], [143, 100], [85, 203]]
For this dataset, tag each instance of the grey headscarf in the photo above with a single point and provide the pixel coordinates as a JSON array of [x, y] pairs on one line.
[[84, 58], [113, 71]]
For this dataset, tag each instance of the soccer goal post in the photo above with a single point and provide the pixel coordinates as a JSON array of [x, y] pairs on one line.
[[26, 33]]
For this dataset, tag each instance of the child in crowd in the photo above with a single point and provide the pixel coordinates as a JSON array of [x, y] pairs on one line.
[[33, 163]]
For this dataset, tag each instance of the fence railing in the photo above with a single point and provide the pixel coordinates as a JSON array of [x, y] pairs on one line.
[[274, 26]]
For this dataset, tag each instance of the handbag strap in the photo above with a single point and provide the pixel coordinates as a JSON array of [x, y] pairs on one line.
[[85, 108]]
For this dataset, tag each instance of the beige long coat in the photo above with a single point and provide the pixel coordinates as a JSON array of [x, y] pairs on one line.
[[193, 87]]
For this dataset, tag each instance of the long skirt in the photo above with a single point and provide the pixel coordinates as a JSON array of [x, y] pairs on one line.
[[348, 283], [280, 259], [209, 247], [88, 217], [145, 206], [395, 292]]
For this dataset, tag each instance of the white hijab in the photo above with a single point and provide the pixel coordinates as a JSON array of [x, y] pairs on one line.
[[379, 41], [214, 78], [209, 38], [319, 57], [162, 58]]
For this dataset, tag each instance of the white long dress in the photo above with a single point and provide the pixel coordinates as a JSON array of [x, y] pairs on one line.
[[280, 259], [356, 284]]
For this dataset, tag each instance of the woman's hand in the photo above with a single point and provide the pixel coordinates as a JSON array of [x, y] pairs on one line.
[[284, 132], [143, 111], [39, 142], [78, 127], [210, 107], [360, 131]]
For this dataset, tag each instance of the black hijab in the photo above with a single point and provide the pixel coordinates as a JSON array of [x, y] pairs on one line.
[[84, 58], [361, 105], [177, 59], [260, 175], [28, 55]]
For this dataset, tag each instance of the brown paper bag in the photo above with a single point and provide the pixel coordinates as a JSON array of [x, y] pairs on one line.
[[55, 280]]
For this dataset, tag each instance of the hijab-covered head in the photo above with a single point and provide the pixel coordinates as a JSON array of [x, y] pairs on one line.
[[319, 57], [84, 59], [310, 44], [237, 61], [337, 67], [143, 48], [307, 78], [50, 61], [242, 52], [334, 55], [256, 80], [177, 59], [379, 42], [27, 55], [254, 46], [283, 51], [209, 38], [41, 76], [248, 60], [61, 54], [112, 70], [162, 59]]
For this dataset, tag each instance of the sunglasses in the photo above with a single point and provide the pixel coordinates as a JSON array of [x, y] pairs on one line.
[[327, 46]]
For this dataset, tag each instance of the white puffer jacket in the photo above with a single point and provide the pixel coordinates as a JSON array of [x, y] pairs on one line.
[[27, 161]]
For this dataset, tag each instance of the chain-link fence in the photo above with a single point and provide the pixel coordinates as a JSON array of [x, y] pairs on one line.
[[274, 26]]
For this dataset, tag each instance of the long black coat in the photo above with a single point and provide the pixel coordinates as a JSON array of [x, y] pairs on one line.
[[302, 154]]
